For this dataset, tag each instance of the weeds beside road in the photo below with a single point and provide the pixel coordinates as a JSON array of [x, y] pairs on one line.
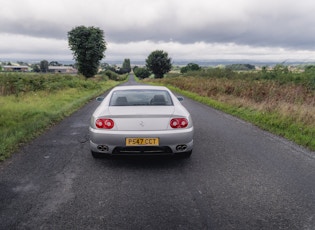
[[29, 103], [282, 103]]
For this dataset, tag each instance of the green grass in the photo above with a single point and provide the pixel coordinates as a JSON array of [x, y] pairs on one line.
[[27, 115], [299, 133]]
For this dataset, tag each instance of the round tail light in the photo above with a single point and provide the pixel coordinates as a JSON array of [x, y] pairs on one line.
[[178, 123], [104, 123]]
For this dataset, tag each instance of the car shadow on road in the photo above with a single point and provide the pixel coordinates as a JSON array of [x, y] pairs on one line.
[[143, 162]]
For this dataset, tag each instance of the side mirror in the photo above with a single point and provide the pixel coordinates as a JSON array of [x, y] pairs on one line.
[[180, 98], [99, 99]]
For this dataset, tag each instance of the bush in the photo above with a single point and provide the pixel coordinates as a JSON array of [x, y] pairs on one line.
[[141, 72], [212, 73], [310, 77], [114, 76], [17, 83]]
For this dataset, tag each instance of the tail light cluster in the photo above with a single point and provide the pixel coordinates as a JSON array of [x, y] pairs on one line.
[[107, 123], [179, 123], [104, 123]]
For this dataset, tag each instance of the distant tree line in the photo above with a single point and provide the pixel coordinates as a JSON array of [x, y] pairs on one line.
[[126, 67], [43, 66], [240, 67], [190, 67]]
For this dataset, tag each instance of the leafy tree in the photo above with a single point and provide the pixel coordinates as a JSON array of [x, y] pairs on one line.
[[126, 65], [35, 68], [88, 47], [141, 72], [54, 63], [43, 65], [159, 63], [126, 68], [190, 67]]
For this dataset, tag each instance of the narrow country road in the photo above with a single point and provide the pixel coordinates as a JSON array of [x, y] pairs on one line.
[[238, 177]]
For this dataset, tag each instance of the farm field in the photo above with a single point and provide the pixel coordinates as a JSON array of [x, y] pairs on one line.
[[283, 104]]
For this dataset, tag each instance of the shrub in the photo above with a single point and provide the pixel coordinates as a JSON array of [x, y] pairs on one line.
[[114, 76], [17, 83], [141, 72]]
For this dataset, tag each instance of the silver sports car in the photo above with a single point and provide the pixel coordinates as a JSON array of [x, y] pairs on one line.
[[141, 120]]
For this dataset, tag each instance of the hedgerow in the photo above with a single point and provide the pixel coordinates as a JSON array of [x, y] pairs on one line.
[[17, 83]]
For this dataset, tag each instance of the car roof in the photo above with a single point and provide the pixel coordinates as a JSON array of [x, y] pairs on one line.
[[131, 87]]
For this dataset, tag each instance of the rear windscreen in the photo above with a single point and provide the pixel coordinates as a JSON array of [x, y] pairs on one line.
[[141, 98]]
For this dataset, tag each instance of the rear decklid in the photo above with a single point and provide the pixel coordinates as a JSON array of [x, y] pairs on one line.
[[141, 118]]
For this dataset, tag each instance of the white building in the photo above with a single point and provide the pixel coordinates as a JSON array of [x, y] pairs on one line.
[[62, 69]]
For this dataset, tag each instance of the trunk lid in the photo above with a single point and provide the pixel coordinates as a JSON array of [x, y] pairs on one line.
[[141, 118]]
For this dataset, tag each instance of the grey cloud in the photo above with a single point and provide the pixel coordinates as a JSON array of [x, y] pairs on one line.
[[260, 30], [255, 25], [260, 23], [34, 28], [266, 34]]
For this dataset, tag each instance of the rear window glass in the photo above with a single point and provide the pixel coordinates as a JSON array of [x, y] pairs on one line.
[[141, 98]]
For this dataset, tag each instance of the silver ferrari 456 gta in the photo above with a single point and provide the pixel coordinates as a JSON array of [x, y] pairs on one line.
[[141, 120]]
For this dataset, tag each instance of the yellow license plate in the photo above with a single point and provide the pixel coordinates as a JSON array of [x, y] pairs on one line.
[[142, 141]]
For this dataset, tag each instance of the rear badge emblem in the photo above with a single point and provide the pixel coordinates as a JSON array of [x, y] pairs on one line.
[[141, 123]]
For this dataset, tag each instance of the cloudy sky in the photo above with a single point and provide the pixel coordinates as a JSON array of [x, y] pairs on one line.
[[187, 29]]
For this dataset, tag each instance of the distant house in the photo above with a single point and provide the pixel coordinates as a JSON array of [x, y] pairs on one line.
[[12, 68], [62, 69]]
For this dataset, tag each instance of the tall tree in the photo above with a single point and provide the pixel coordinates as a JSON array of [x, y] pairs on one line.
[[126, 65], [159, 63], [88, 46], [43, 65]]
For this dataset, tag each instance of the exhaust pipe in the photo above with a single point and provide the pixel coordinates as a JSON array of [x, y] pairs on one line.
[[181, 147], [103, 148]]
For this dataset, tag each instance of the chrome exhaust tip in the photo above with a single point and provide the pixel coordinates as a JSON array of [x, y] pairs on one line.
[[181, 148], [103, 148]]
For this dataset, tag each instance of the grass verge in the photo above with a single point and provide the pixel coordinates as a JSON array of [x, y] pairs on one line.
[[24, 117], [274, 122]]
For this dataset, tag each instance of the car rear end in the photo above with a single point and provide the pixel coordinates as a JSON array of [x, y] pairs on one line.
[[141, 130]]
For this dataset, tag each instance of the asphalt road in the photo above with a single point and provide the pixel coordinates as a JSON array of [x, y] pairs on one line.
[[238, 177]]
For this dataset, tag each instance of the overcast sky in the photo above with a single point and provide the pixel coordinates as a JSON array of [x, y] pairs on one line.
[[186, 29]]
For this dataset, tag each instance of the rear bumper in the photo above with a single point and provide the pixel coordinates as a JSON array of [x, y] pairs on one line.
[[113, 142]]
